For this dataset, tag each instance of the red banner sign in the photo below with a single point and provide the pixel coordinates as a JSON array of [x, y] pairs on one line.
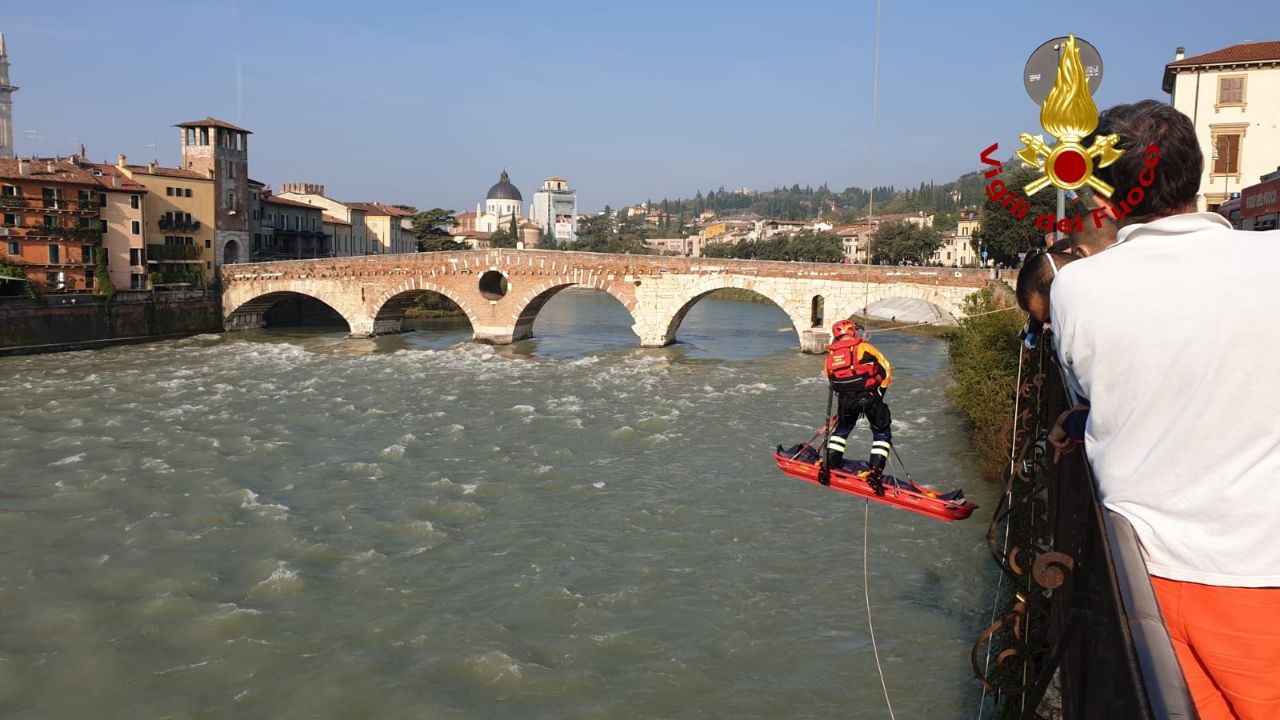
[[1260, 199]]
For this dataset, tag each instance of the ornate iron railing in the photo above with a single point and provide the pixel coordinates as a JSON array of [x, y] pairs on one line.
[[1078, 634]]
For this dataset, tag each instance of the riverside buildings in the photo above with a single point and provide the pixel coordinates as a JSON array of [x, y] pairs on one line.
[[1232, 96]]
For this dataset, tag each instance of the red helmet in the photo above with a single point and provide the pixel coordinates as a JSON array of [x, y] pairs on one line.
[[843, 328]]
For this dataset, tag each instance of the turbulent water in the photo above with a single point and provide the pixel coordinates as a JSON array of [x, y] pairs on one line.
[[296, 525]]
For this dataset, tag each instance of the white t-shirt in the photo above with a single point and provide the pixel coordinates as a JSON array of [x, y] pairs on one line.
[[1172, 334]]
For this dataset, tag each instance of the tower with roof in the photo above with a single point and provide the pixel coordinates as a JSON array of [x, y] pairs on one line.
[[7, 90], [555, 208], [220, 151]]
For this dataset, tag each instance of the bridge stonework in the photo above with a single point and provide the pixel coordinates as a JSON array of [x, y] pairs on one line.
[[501, 290]]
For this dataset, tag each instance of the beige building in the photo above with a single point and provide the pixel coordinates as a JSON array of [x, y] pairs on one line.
[[1232, 96], [855, 240], [339, 233], [384, 227], [313, 194], [124, 217], [968, 223], [180, 222], [955, 251]]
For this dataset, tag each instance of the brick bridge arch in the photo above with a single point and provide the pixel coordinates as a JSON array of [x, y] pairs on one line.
[[373, 292]]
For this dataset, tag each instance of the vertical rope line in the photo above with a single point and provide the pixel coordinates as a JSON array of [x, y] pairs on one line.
[[866, 594], [871, 195], [1013, 449], [871, 204]]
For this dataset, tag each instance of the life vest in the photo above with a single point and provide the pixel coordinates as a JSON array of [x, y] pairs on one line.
[[856, 367]]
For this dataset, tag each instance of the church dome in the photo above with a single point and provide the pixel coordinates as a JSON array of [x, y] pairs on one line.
[[504, 190]]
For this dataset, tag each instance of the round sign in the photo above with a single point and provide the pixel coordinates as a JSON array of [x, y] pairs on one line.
[[984, 254], [1042, 68]]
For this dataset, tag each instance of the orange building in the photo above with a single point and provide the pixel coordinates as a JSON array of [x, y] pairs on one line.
[[52, 225]]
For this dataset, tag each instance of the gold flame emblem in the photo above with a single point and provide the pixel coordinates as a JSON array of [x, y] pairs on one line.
[[1069, 115]]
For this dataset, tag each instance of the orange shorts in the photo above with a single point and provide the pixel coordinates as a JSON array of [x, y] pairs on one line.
[[1228, 643]]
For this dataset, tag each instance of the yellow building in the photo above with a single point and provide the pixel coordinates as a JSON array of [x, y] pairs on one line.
[[383, 227], [179, 228]]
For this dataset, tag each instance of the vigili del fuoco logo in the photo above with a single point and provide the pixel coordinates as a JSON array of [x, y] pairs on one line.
[[1069, 115]]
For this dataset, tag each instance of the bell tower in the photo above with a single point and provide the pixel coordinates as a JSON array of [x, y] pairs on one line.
[[6, 104], [220, 151]]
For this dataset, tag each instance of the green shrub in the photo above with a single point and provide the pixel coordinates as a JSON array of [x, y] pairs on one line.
[[984, 363]]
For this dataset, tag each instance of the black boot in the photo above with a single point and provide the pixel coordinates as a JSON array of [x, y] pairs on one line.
[[875, 479]]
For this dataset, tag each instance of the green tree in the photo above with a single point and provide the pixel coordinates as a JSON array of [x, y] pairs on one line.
[[429, 229], [1002, 235], [984, 364], [807, 246], [504, 237], [895, 242]]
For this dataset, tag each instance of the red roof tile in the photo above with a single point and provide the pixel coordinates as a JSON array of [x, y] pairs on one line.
[[210, 122], [63, 171], [275, 200], [326, 217], [1243, 53], [183, 173]]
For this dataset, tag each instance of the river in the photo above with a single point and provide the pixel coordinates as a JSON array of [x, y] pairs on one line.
[[292, 524]]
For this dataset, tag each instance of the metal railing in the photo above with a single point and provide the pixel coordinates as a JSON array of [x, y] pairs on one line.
[[1080, 624]]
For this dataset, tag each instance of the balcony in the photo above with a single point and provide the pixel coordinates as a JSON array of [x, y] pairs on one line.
[[192, 278], [176, 225], [174, 253], [92, 233]]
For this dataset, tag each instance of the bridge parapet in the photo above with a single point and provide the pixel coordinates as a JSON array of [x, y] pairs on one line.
[[502, 290]]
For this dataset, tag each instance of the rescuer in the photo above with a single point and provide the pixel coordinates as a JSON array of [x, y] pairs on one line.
[[859, 376]]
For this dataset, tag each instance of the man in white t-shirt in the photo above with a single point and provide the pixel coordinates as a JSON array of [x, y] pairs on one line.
[[1168, 334]]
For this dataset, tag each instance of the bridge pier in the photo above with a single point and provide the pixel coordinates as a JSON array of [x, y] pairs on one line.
[[814, 342], [497, 335], [245, 321]]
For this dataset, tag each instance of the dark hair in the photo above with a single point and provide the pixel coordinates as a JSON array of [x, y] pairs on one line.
[[1177, 175], [1037, 273]]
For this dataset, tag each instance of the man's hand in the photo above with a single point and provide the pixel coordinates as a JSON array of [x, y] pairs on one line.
[[1059, 438]]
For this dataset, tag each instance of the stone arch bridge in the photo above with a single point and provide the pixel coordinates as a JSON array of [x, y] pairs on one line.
[[501, 290]]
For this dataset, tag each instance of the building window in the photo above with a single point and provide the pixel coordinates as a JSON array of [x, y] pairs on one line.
[[187, 192], [51, 221], [1226, 154], [204, 136], [135, 257], [9, 191], [86, 254], [10, 219], [15, 248], [137, 281], [55, 255], [88, 279], [231, 199], [1231, 90], [168, 191], [134, 201], [207, 244], [136, 227]]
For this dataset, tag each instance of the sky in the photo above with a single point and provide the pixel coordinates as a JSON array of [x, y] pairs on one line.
[[425, 103]]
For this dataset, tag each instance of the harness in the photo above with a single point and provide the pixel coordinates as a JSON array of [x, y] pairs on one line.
[[846, 374]]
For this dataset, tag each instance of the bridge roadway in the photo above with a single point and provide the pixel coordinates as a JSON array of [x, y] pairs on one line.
[[502, 290]]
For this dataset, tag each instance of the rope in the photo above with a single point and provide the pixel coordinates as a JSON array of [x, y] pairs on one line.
[[866, 515], [866, 593], [1008, 499], [931, 322]]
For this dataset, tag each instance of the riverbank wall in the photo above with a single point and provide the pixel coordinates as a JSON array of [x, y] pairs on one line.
[[72, 322]]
